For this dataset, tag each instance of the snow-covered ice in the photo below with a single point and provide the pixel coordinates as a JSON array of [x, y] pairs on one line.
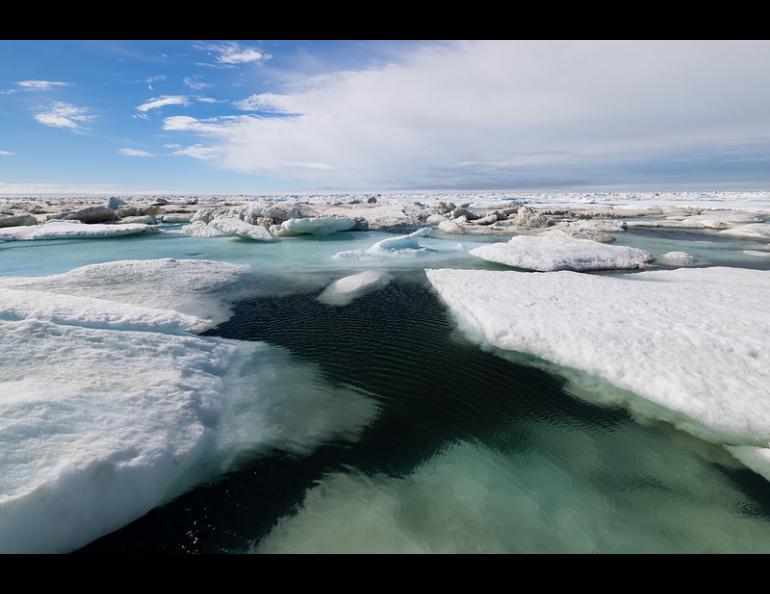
[[678, 258], [71, 230], [547, 253], [228, 226], [350, 288], [108, 408], [689, 345], [750, 231], [195, 287], [400, 245], [313, 226]]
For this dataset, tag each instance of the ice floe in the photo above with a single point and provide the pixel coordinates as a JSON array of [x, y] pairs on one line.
[[228, 226], [548, 253], [350, 288], [313, 226], [690, 346], [108, 409], [400, 245], [200, 288], [70, 230], [678, 258], [751, 231]]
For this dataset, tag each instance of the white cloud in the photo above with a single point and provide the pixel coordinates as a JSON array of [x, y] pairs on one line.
[[5, 153], [129, 152], [195, 83], [207, 100], [494, 111], [267, 102], [230, 53], [197, 151], [162, 101], [41, 85], [64, 115]]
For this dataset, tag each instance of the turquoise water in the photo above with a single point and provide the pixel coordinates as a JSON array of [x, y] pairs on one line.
[[470, 451]]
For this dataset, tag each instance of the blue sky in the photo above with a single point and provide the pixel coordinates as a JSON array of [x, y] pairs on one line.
[[264, 116]]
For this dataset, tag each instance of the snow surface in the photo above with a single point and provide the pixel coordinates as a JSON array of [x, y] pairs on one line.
[[350, 288], [692, 343], [752, 231], [70, 230], [108, 409], [228, 226], [195, 287], [547, 253], [314, 226]]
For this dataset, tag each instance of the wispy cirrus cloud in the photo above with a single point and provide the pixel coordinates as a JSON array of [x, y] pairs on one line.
[[195, 83], [60, 114], [129, 152], [6, 153], [41, 85], [163, 101], [267, 102], [228, 54]]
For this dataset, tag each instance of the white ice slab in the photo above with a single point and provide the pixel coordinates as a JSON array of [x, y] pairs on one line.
[[314, 226], [547, 253], [71, 230], [693, 345]]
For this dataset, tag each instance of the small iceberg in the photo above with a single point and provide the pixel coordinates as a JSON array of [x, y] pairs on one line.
[[549, 253], [401, 245], [313, 226]]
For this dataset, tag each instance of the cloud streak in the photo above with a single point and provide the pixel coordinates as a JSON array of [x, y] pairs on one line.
[[163, 101], [64, 115], [41, 85], [129, 152]]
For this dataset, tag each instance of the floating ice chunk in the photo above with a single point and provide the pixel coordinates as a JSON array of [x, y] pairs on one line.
[[678, 258], [17, 220], [108, 410], [757, 253], [95, 313], [197, 287], [400, 245], [228, 226], [314, 226], [752, 231], [350, 288], [71, 230], [644, 333], [176, 218], [547, 253]]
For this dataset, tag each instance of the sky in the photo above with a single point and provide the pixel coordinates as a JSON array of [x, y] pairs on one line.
[[227, 116]]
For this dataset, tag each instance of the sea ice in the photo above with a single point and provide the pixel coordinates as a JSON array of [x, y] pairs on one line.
[[547, 253], [70, 230], [400, 245], [350, 288], [108, 409], [678, 258], [313, 226], [228, 226], [751, 231], [689, 345]]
